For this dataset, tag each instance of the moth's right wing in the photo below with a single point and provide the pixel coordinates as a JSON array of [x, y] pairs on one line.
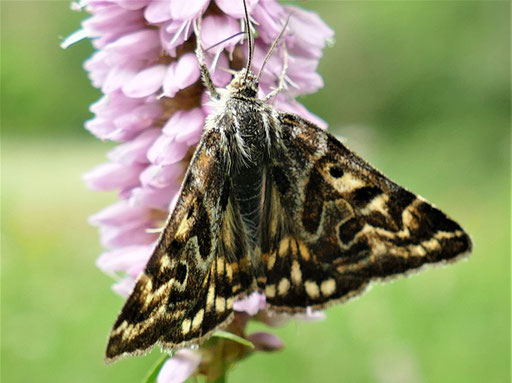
[[197, 269], [333, 223]]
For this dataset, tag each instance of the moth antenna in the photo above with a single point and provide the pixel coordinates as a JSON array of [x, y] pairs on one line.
[[223, 41], [271, 50], [228, 70], [249, 39]]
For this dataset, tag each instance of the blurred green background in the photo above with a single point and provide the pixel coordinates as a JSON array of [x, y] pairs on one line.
[[420, 89]]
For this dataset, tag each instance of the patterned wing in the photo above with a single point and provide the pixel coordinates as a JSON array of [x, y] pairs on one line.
[[196, 271], [334, 223]]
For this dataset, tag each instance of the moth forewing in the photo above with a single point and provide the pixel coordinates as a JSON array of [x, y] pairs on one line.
[[341, 223], [185, 291]]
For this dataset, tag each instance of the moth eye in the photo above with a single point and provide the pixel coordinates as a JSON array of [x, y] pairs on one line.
[[336, 171]]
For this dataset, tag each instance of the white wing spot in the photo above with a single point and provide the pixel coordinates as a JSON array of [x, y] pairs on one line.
[[328, 287], [283, 287], [198, 320], [270, 291], [296, 273], [185, 326], [220, 304], [312, 289]]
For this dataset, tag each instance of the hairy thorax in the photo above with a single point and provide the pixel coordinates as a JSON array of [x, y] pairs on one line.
[[248, 129]]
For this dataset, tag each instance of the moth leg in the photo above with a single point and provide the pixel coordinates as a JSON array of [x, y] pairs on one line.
[[205, 74], [282, 76]]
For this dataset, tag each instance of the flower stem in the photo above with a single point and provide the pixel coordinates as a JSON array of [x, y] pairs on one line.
[[220, 379]]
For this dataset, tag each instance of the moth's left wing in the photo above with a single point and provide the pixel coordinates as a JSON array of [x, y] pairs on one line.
[[333, 223], [197, 270]]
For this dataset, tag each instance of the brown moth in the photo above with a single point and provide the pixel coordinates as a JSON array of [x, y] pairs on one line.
[[272, 203]]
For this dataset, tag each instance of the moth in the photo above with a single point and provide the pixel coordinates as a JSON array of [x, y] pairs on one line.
[[272, 203]]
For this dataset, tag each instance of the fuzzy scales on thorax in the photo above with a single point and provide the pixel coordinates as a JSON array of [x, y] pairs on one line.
[[248, 129]]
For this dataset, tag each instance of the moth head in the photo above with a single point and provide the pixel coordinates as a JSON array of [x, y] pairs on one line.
[[242, 84]]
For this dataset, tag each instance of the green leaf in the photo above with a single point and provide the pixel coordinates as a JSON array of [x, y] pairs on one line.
[[151, 378], [233, 337]]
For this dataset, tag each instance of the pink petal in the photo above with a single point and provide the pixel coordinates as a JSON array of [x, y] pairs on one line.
[[311, 32], [135, 150], [180, 367], [114, 104], [124, 287], [181, 74], [184, 121], [139, 118], [120, 75], [146, 82], [112, 21], [251, 304], [132, 4], [156, 198], [166, 151], [236, 8], [264, 341], [100, 127], [119, 213], [142, 44], [128, 235], [270, 17], [173, 34], [130, 259], [97, 68], [158, 12], [110, 176], [159, 176], [216, 28], [221, 78], [185, 10]]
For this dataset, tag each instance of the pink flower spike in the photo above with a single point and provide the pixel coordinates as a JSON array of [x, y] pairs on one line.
[[146, 82], [251, 304], [144, 61], [180, 367], [181, 74]]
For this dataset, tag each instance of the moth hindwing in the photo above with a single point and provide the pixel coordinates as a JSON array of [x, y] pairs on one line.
[[272, 203]]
